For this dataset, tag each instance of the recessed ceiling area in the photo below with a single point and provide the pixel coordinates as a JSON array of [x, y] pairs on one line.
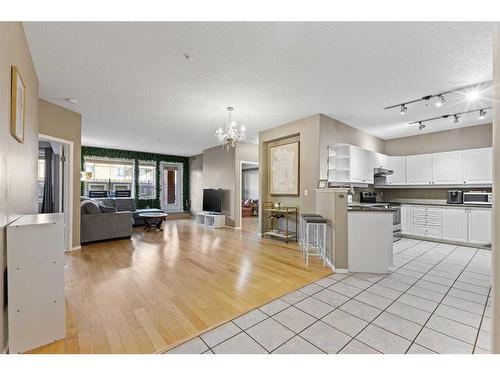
[[137, 90]]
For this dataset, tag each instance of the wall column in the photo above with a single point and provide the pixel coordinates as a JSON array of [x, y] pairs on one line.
[[495, 256]]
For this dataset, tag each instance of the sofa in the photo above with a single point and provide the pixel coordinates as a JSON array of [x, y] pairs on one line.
[[100, 222], [249, 207], [127, 204]]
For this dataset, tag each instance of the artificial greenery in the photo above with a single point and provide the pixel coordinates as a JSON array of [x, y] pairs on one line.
[[137, 156]]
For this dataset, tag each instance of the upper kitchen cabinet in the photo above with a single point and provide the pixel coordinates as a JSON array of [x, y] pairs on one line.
[[349, 164], [380, 160], [447, 168], [362, 164], [419, 169], [477, 166], [397, 164]]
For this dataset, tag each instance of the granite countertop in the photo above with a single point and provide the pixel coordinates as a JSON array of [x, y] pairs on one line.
[[436, 202], [367, 207]]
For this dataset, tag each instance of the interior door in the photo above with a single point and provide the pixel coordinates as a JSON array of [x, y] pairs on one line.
[[171, 197]]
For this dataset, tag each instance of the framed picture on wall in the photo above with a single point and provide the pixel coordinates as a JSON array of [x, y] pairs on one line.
[[284, 169], [17, 105]]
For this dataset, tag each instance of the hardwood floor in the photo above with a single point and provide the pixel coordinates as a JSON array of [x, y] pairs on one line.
[[159, 288]]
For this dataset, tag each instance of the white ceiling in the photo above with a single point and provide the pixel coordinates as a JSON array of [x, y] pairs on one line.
[[135, 89]]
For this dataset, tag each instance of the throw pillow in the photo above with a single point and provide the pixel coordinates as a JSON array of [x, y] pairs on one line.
[[106, 209]]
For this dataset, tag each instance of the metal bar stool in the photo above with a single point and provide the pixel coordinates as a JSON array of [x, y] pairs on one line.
[[314, 244], [302, 227]]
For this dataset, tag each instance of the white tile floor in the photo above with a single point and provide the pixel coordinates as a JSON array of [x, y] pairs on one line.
[[436, 300]]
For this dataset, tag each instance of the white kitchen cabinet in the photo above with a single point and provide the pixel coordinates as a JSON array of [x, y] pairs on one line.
[[380, 160], [362, 163], [454, 224], [447, 168], [427, 221], [479, 225], [397, 164], [406, 219], [477, 166], [419, 169]]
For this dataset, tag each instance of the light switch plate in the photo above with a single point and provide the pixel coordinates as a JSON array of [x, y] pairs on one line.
[[306, 192]]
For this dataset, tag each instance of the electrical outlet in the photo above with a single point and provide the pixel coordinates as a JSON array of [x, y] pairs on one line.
[[306, 192]]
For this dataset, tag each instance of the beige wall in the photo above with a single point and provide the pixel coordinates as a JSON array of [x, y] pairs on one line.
[[447, 140], [333, 131], [196, 183], [306, 131], [62, 123], [18, 161], [219, 173]]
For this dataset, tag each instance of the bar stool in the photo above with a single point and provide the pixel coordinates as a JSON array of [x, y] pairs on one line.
[[302, 228], [315, 242]]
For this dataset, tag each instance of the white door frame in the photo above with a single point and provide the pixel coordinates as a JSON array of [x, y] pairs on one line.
[[180, 187], [68, 189], [240, 195]]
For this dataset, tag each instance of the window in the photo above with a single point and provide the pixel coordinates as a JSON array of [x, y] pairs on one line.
[[41, 178], [147, 180], [110, 174]]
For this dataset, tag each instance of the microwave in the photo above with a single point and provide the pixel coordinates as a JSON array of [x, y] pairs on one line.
[[478, 197]]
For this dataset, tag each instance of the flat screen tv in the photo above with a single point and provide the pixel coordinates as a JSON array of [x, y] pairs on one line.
[[212, 200]]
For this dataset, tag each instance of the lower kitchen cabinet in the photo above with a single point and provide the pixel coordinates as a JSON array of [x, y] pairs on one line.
[[479, 226], [454, 224], [468, 225]]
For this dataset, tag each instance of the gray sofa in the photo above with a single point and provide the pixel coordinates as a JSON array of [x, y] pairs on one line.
[[127, 204], [99, 222]]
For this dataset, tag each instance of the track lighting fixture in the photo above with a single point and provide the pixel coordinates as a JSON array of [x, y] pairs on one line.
[[421, 126], [440, 100], [456, 116], [403, 109], [471, 92], [482, 114]]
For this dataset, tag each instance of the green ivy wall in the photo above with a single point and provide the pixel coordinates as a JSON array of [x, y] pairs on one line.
[[143, 156]]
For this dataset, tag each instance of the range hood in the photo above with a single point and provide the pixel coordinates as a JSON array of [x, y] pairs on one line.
[[382, 172]]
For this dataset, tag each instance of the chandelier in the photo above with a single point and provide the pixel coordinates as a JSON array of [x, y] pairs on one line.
[[230, 136]]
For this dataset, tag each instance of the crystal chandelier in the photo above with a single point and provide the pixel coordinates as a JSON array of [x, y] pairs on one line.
[[230, 135]]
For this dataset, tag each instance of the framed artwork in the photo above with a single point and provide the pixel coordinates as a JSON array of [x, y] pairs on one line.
[[284, 169], [17, 105], [322, 184]]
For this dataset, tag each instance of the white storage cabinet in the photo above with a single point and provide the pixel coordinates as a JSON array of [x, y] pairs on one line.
[[211, 220], [35, 268]]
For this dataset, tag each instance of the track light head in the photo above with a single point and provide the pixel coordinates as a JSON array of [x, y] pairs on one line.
[[482, 114], [421, 126], [403, 109], [440, 100], [456, 119]]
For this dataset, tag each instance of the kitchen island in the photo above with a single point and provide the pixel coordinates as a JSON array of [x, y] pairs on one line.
[[370, 238]]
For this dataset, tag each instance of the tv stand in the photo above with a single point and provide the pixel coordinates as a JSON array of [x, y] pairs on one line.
[[211, 219]]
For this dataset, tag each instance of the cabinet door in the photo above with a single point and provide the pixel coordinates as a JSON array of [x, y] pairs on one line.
[[454, 224], [447, 168], [406, 219], [479, 225], [361, 165], [419, 169], [380, 160], [397, 164], [477, 166]]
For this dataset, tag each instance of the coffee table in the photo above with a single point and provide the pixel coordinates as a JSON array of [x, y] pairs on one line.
[[153, 220]]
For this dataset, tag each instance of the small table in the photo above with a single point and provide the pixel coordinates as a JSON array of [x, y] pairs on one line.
[[153, 220]]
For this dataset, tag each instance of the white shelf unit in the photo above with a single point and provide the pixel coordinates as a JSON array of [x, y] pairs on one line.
[[211, 220], [339, 163], [35, 268]]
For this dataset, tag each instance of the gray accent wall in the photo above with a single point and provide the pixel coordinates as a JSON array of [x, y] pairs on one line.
[[18, 161]]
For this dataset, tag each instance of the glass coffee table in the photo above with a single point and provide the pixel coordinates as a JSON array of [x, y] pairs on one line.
[[153, 220]]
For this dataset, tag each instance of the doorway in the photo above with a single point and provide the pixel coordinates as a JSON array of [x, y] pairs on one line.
[[249, 196], [55, 182], [171, 175]]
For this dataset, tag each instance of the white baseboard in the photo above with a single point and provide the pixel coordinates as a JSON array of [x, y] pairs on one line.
[[6, 349], [74, 248], [341, 270]]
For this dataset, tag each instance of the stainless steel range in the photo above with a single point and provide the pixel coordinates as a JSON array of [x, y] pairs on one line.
[[369, 199]]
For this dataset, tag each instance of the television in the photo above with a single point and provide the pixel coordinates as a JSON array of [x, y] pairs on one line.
[[212, 200]]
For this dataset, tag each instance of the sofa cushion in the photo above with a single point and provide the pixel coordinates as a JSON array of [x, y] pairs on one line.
[[108, 202], [125, 204], [106, 209], [89, 207]]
